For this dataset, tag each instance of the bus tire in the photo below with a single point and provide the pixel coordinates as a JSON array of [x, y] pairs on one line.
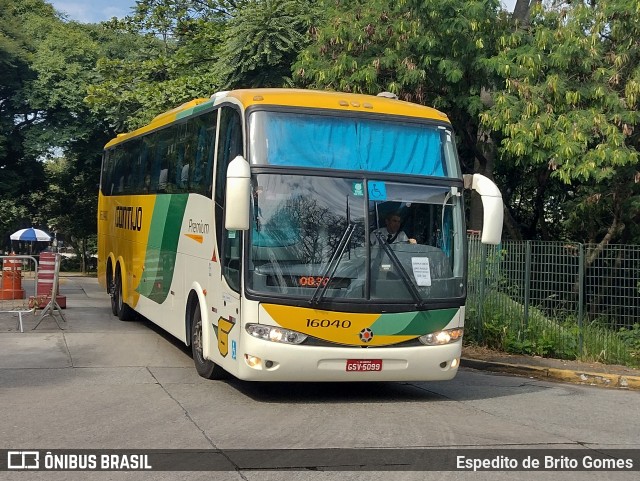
[[124, 312], [205, 368], [113, 295]]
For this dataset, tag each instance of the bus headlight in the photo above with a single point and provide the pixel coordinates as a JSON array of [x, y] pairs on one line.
[[275, 334], [442, 337]]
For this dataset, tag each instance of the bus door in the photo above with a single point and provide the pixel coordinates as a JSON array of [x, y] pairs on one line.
[[227, 290], [228, 298]]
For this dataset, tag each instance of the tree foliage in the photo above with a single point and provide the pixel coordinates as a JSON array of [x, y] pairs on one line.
[[432, 52], [568, 112], [263, 40], [175, 49], [20, 172], [544, 100], [428, 52], [193, 48], [43, 114]]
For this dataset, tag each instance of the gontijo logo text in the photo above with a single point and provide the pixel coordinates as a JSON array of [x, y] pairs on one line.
[[129, 217]]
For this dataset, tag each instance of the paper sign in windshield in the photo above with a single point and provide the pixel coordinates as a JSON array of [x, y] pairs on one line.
[[421, 271]]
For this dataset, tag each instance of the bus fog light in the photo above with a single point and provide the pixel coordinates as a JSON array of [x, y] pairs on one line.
[[275, 334], [454, 363], [440, 338], [252, 361]]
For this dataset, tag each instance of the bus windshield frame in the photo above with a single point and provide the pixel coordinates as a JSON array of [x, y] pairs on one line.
[[312, 241]]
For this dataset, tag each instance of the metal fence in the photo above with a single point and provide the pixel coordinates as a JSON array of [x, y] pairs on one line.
[[18, 280], [559, 299]]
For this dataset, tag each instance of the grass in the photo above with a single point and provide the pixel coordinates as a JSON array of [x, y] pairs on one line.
[[501, 325]]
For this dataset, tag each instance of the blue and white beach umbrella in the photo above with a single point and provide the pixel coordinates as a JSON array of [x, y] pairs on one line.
[[30, 235]]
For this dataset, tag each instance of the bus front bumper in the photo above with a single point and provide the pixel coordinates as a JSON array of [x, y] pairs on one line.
[[271, 361]]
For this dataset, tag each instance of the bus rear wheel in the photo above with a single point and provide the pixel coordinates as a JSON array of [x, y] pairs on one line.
[[123, 311], [205, 368], [113, 293]]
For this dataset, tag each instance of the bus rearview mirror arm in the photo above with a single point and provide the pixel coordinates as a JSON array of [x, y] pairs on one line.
[[238, 195], [492, 206]]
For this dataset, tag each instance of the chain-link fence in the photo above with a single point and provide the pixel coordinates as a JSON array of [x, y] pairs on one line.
[[557, 299]]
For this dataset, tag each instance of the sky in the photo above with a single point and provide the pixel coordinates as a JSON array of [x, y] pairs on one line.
[[93, 11]]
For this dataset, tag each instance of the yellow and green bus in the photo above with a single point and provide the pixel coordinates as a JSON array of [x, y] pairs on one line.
[[256, 227]]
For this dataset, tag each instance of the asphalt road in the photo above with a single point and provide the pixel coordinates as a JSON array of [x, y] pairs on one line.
[[104, 384]]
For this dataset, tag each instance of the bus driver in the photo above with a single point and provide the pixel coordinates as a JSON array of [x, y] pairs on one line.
[[391, 234]]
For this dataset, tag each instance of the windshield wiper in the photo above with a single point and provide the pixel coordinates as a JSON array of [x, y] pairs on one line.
[[403, 273], [332, 265]]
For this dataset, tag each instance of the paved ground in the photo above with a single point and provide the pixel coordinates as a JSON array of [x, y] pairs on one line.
[[98, 337], [100, 383]]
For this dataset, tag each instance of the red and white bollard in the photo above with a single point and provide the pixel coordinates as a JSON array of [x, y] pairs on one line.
[[46, 277]]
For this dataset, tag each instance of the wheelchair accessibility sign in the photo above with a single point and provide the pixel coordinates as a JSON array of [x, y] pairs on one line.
[[377, 190]]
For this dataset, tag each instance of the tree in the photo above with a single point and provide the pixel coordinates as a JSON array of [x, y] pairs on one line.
[[67, 206], [176, 45], [193, 48], [43, 115], [20, 171], [262, 41], [569, 112], [134, 83], [64, 60], [431, 52]]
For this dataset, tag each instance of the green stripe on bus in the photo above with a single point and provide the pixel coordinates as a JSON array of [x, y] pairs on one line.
[[413, 323], [160, 258], [194, 110], [203, 106], [185, 113]]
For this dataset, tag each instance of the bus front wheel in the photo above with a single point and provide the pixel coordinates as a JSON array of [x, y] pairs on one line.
[[206, 368]]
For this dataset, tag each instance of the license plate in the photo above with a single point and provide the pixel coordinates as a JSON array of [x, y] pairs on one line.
[[363, 365]]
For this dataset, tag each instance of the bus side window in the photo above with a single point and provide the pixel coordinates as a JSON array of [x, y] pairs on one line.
[[182, 158], [167, 159], [153, 174], [229, 146], [231, 258], [204, 136], [117, 174]]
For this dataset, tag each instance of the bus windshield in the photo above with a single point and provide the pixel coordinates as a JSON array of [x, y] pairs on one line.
[[352, 143], [322, 238]]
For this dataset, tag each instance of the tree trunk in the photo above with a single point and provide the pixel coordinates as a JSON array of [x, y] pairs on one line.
[[511, 226], [83, 267], [522, 10], [592, 254], [484, 162]]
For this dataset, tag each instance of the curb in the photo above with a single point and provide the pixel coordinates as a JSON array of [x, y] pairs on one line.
[[576, 377]]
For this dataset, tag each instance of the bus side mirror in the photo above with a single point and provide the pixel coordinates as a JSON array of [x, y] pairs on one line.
[[492, 206], [238, 195]]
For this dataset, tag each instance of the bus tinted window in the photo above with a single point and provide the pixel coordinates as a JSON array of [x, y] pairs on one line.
[[176, 159]]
